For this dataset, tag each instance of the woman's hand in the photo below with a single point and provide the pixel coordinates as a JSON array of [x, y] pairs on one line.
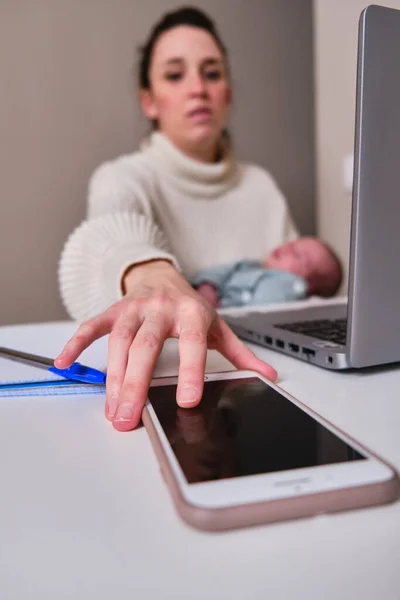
[[159, 304]]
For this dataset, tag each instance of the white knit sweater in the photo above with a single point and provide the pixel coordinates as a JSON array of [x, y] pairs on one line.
[[158, 203]]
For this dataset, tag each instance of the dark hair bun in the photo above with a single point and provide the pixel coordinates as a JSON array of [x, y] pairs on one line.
[[183, 16]]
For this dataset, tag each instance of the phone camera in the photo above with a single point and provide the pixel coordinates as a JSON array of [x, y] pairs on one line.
[[205, 377]]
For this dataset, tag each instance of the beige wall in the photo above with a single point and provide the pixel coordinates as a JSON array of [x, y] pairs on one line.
[[67, 103], [335, 48]]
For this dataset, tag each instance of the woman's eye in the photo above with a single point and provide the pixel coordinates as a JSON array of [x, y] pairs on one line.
[[173, 76], [213, 75]]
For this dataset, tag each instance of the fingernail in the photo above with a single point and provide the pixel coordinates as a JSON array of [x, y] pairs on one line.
[[109, 412], [124, 412], [111, 403], [274, 375], [188, 393], [60, 356]]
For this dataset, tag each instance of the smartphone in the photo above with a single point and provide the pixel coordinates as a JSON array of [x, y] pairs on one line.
[[251, 453]]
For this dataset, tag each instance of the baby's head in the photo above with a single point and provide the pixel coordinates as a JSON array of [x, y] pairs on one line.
[[311, 259]]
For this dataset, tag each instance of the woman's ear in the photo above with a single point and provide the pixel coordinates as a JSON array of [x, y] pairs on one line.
[[148, 105]]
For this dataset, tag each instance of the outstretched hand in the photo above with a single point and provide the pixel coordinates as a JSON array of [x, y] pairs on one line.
[[159, 304]]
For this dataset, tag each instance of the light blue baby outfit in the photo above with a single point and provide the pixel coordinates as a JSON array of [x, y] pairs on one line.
[[247, 282]]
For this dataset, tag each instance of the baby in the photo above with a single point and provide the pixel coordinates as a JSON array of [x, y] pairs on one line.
[[292, 271]]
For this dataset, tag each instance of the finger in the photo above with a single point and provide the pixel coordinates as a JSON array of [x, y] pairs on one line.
[[143, 355], [119, 343], [87, 333], [192, 359], [236, 351]]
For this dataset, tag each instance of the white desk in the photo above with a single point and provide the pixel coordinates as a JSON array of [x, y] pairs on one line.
[[84, 512]]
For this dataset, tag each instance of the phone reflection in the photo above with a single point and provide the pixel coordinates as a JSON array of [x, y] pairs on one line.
[[204, 438], [244, 427], [206, 448]]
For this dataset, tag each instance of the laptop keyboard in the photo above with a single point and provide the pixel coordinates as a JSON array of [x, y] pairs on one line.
[[332, 330]]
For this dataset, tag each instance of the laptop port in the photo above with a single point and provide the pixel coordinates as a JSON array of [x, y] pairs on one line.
[[308, 352], [294, 347], [268, 340], [279, 344]]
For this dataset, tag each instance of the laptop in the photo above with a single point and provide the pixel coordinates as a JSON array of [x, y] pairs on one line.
[[365, 331]]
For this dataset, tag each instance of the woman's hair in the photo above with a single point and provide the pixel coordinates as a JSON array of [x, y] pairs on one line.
[[183, 16]]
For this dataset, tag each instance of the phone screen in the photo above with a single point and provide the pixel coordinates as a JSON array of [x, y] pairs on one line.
[[244, 427]]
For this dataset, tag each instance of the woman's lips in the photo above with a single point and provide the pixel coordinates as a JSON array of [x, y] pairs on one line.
[[200, 114]]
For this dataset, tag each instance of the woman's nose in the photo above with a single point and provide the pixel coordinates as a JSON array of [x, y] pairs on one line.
[[197, 86]]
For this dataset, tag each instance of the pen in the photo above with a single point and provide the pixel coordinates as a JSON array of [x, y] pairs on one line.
[[76, 372]]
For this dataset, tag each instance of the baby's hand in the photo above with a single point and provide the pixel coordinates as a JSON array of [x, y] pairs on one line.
[[209, 293]]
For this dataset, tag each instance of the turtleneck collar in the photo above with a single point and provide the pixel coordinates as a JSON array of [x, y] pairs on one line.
[[196, 177]]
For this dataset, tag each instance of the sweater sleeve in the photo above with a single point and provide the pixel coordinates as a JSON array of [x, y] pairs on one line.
[[287, 227], [290, 231], [119, 231]]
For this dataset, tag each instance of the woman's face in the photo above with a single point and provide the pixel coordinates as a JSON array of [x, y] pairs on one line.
[[190, 93]]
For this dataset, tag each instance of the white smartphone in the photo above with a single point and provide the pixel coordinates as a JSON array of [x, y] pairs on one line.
[[251, 453]]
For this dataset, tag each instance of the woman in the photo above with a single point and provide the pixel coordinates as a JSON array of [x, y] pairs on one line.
[[158, 216]]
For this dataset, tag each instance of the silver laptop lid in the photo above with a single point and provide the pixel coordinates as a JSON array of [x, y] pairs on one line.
[[374, 278]]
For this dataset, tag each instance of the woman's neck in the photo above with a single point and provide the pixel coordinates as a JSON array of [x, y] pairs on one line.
[[196, 177], [206, 152], [206, 155]]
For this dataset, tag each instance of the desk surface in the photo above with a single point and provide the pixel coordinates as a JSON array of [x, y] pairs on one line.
[[84, 512]]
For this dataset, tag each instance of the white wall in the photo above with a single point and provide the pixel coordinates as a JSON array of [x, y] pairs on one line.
[[335, 55]]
